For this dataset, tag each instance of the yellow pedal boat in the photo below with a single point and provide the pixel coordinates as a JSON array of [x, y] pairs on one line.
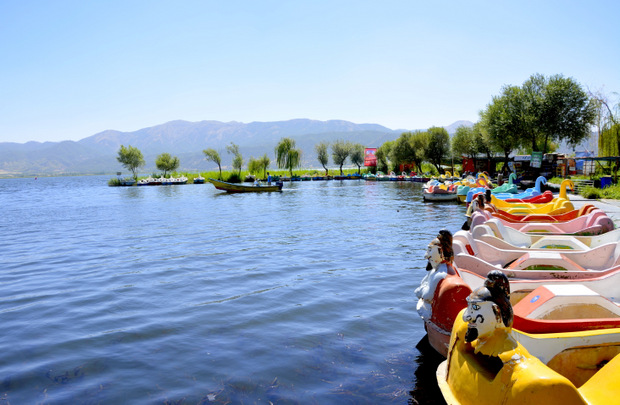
[[489, 363], [558, 205]]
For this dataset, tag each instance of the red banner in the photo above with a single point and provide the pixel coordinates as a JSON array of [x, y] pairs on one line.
[[369, 157]]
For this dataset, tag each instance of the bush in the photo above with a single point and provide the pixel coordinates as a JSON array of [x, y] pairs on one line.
[[113, 182], [234, 178], [591, 193]]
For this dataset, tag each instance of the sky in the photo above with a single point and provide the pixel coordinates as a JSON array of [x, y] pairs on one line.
[[72, 68]]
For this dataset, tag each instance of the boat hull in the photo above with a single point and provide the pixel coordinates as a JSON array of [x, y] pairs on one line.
[[240, 188]]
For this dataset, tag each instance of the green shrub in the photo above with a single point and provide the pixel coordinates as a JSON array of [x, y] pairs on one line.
[[113, 182], [591, 193], [234, 178]]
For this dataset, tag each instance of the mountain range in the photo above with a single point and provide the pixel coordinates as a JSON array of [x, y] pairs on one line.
[[96, 154]]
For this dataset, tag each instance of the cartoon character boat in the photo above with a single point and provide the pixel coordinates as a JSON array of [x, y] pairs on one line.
[[442, 294], [489, 362]]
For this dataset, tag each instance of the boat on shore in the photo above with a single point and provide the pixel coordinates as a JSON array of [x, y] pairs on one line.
[[241, 188]]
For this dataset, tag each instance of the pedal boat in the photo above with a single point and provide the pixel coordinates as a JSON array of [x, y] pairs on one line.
[[495, 233], [490, 362], [442, 293], [558, 205], [594, 223], [598, 258], [567, 216]]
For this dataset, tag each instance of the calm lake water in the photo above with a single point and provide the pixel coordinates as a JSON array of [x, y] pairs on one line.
[[185, 294]]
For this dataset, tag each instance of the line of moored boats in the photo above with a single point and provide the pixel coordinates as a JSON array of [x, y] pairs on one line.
[[524, 301]]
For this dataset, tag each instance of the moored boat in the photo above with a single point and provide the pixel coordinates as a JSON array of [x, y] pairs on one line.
[[241, 188], [490, 362]]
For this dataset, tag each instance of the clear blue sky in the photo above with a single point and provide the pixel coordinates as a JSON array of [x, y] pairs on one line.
[[73, 68]]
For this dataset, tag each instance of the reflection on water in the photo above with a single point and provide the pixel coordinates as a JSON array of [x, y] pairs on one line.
[[186, 294]]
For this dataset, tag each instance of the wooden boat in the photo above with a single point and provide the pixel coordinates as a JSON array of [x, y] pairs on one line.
[[490, 362], [241, 188]]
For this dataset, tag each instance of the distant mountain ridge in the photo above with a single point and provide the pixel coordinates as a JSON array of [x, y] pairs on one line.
[[96, 154]]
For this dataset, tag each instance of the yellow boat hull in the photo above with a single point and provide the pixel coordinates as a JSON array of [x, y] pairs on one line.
[[516, 377]]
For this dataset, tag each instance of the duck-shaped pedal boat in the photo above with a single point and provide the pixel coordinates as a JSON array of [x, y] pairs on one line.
[[489, 362], [558, 205]]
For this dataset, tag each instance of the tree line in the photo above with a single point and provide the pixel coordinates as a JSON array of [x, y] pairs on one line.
[[287, 157], [535, 116]]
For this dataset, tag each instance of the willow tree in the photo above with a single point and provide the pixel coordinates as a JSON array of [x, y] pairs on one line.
[[237, 162], [131, 158], [213, 156], [340, 152], [166, 163], [255, 166], [607, 123], [322, 155], [287, 157], [438, 147], [357, 156]]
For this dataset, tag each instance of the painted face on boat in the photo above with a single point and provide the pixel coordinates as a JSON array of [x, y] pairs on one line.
[[433, 255], [482, 318]]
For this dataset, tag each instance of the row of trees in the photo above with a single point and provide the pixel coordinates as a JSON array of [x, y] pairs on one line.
[[536, 116], [288, 157], [131, 158]]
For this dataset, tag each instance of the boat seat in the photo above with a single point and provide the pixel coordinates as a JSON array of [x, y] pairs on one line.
[[565, 301], [542, 260]]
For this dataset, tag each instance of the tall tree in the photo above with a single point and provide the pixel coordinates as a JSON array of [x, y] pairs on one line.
[[419, 140], [502, 121], [483, 140], [264, 163], [403, 150], [357, 156], [287, 157], [237, 162], [166, 163], [131, 158], [383, 156], [438, 147], [465, 142], [254, 166], [213, 156], [340, 152], [607, 124], [322, 154], [567, 112]]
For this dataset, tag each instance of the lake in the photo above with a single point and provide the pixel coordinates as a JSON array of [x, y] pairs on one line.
[[185, 294]]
